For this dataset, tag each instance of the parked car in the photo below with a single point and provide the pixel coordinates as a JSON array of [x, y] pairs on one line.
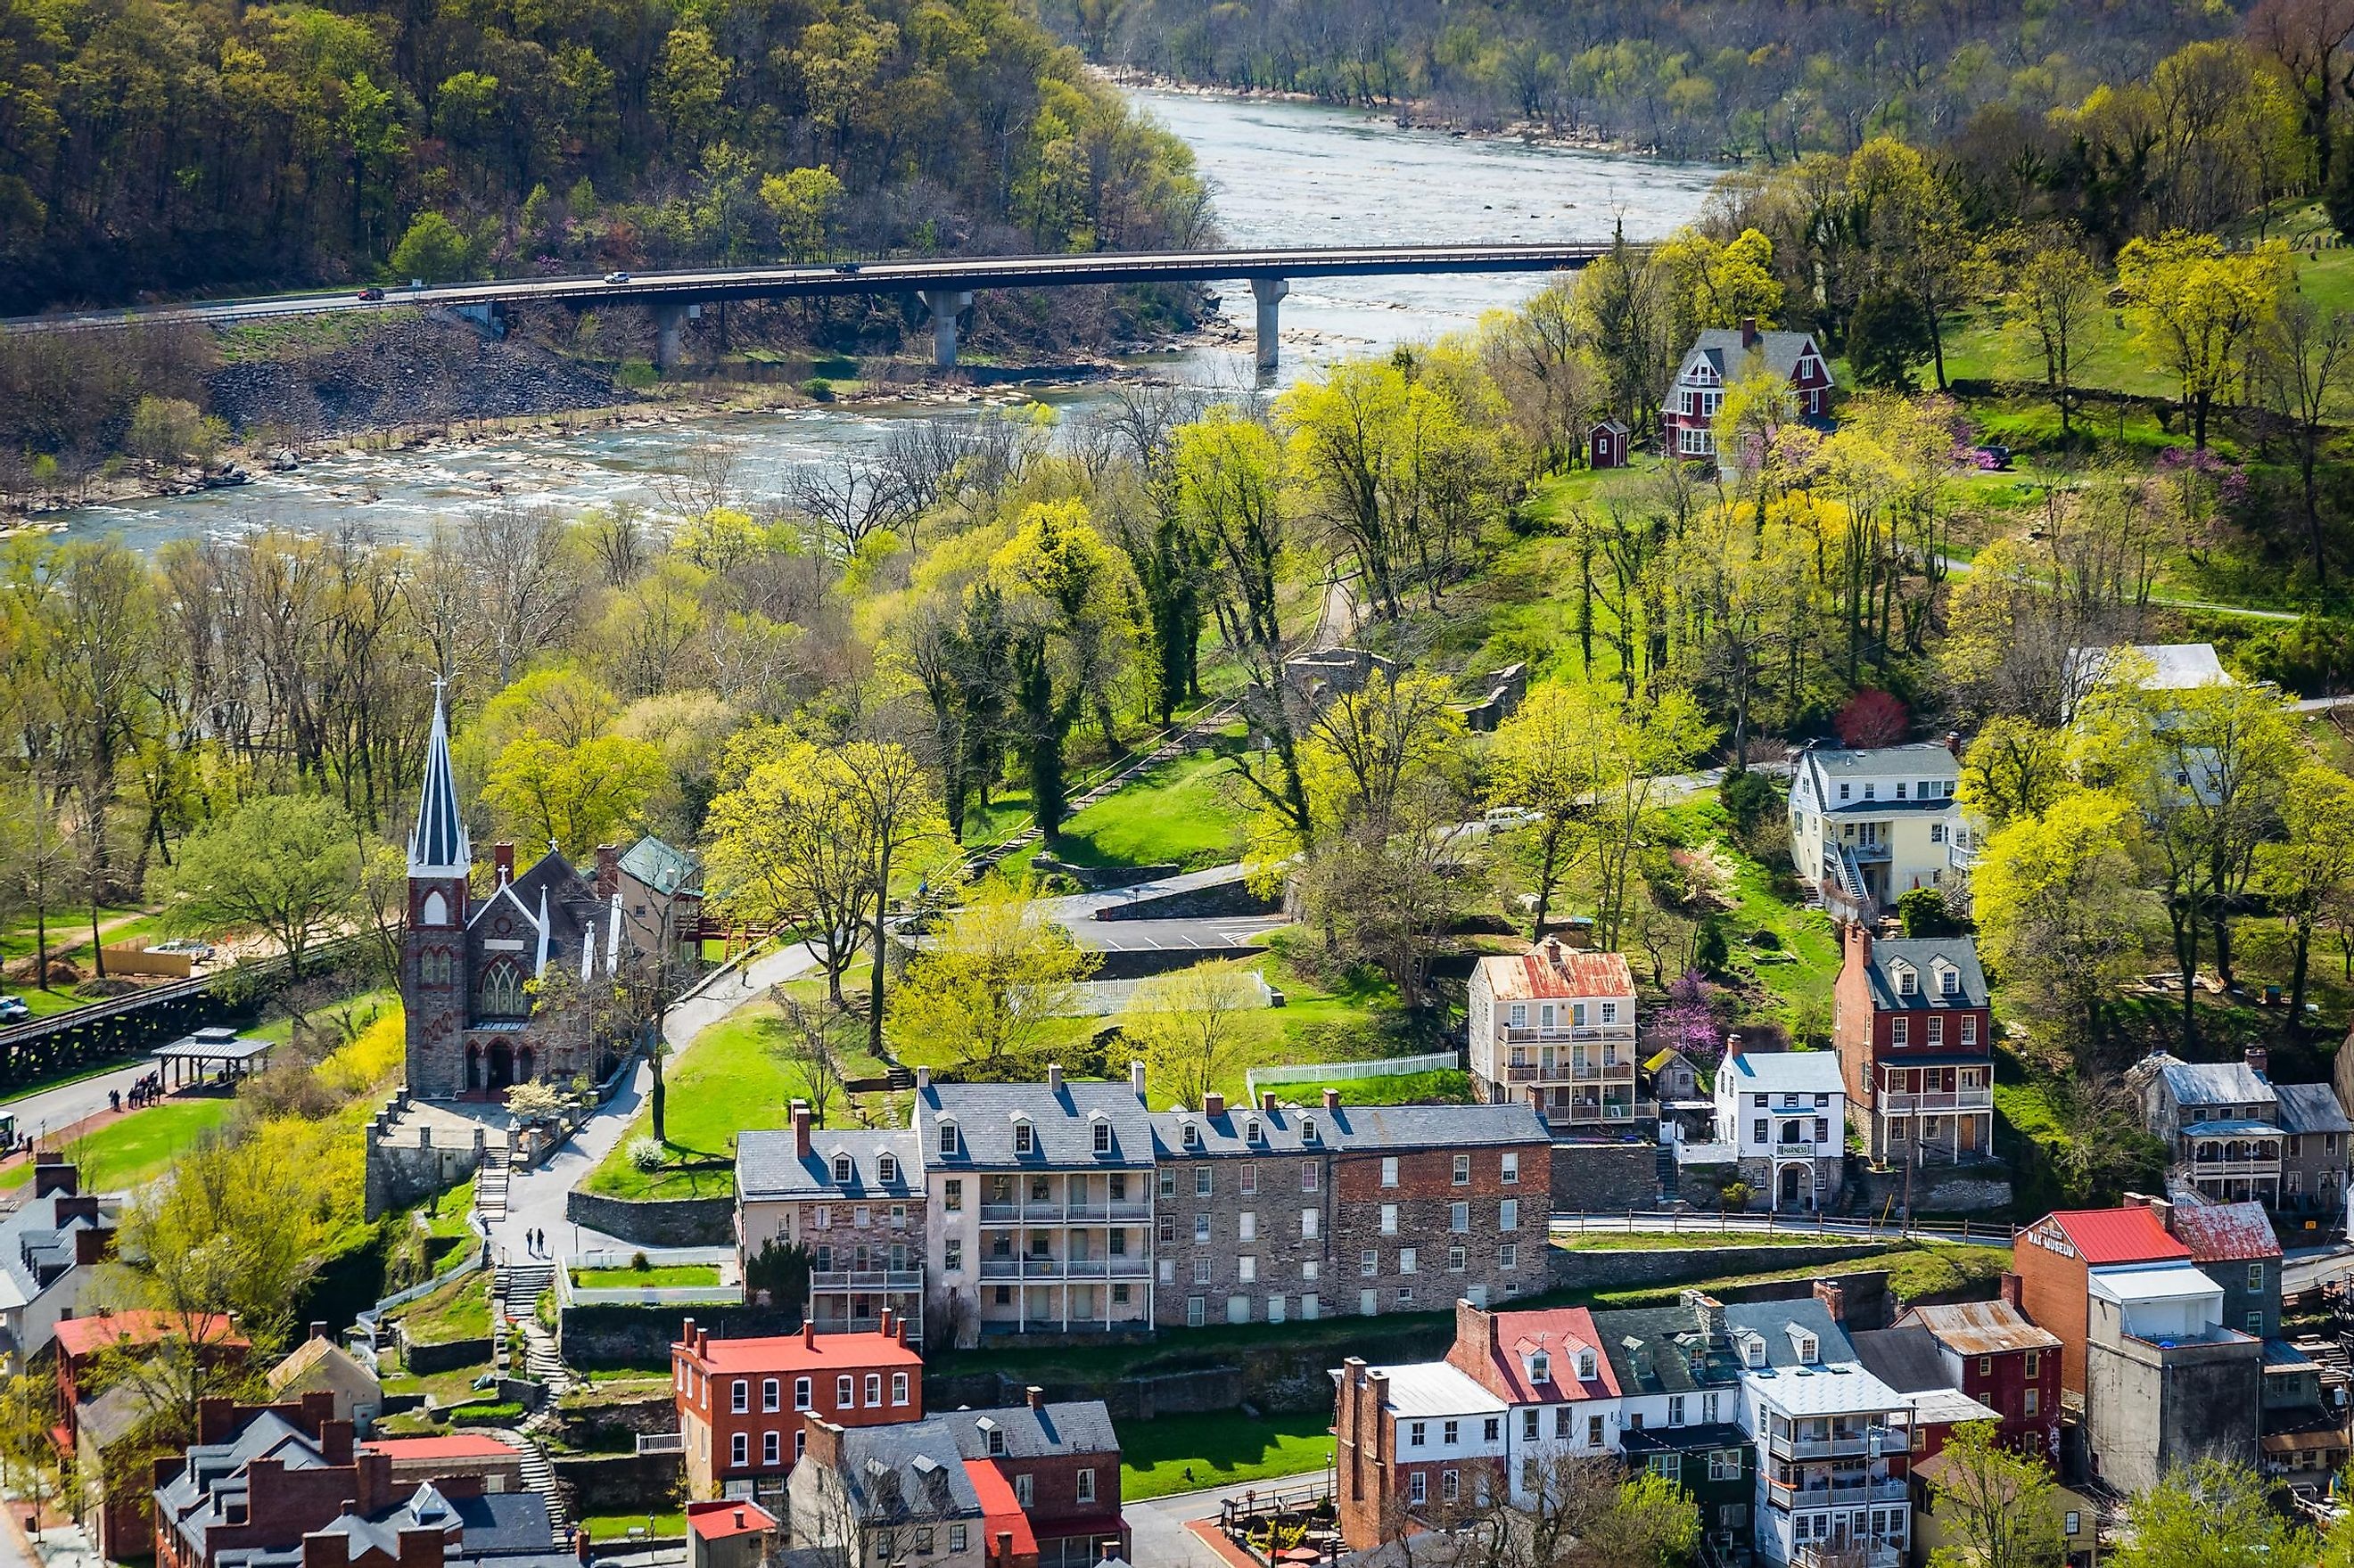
[[617, 276], [14, 1009], [371, 293]]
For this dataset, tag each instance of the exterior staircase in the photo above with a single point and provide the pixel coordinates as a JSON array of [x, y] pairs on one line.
[[491, 1191], [1667, 1173], [539, 1478], [514, 1291]]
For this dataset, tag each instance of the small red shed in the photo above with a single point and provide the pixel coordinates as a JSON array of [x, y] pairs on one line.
[[1607, 444]]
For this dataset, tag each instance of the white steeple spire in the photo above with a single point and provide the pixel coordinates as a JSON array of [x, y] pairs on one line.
[[439, 846]]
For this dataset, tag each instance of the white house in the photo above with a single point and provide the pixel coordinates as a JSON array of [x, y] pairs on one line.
[[1867, 827], [1782, 1117], [1831, 1459]]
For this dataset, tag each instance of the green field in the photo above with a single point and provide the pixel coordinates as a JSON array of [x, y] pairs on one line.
[[1186, 1453], [458, 1310], [664, 1276], [126, 1153], [1187, 812], [617, 1526], [1444, 1085]]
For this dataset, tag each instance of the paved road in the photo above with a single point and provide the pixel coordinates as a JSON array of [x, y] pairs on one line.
[[70, 1102], [2302, 1268], [874, 278], [1157, 1531]]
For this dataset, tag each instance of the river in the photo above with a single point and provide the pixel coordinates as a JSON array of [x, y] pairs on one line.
[[1283, 173]]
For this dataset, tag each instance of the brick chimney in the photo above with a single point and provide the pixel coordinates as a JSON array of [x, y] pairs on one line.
[[608, 869], [1855, 943], [2260, 1060], [422, 1546], [1833, 1295], [502, 864], [1733, 1046], [1136, 1077], [580, 1546], [1213, 1105], [318, 1328], [1332, 1100], [885, 1327], [823, 1440], [1054, 1077], [1749, 331], [1267, 1101], [1034, 1397], [55, 1173], [2011, 1289], [1003, 1553], [801, 1129], [92, 1245], [900, 1333], [809, 1336]]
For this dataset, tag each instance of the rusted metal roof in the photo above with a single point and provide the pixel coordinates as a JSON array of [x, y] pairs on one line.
[[1554, 970], [1981, 1328], [2226, 1233]]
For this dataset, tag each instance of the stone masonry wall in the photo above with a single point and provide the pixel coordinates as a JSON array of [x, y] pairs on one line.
[[1605, 1178], [1635, 1268], [659, 1222]]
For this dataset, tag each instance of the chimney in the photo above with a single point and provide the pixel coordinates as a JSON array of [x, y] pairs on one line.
[[1332, 1100], [686, 1333], [1054, 1077], [214, 1415], [1954, 742], [809, 1335], [1749, 331], [503, 865], [318, 1328], [54, 1174], [91, 1245], [886, 1328], [608, 869], [1213, 1105], [1003, 1555], [1733, 1046], [1136, 1077], [2012, 1291], [1267, 1101], [1034, 1397], [801, 1129], [1833, 1295], [900, 1332], [923, 1077], [703, 1342], [2259, 1060], [740, 1518], [1857, 944], [580, 1546]]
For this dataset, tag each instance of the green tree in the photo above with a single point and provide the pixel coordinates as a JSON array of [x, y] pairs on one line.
[[991, 984], [1996, 1508], [287, 865], [2058, 297], [1192, 1027], [168, 429], [2308, 874], [2196, 306], [431, 249], [787, 850], [2210, 1514], [2013, 767], [573, 797], [1066, 597], [801, 201], [1887, 337], [2058, 910]]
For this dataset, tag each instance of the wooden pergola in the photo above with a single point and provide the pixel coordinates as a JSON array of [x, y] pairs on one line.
[[190, 1057]]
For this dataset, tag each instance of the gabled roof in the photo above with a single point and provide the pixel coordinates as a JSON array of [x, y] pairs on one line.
[[1286, 1129], [2192, 1084], [1778, 350], [1556, 971], [1927, 956], [907, 1469], [2159, 666], [1062, 1122], [1064, 1426], [1780, 1072], [649, 860], [1906, 1358], [1424, 1390], [1662, 1349], [2104, 1237], [1915, 760], [1980, 1328], [2225, 1233], [725, 1519], [766, 1167], [2308, 1108], [79, 1337], [1560, 1333], [786, 1354], [333, 1365]]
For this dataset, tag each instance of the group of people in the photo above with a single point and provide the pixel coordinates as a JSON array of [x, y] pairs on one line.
[[145, 1090]]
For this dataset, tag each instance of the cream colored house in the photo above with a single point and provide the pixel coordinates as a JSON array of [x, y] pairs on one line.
[[1868, 827], [2079, 1520], [1555, 1028]]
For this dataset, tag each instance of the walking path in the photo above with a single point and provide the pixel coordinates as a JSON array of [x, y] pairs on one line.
[[1159, 1529]]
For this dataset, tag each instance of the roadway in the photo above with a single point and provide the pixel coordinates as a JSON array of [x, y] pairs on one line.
[[712, 284]]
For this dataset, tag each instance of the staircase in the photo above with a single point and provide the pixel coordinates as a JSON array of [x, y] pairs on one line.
[[539, 1478], [491, 1191], [515, 1292], [541, 1362], [1667, 1172]]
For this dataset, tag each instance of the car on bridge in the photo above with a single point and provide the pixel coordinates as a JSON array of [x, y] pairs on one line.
[[15, 1010], [848, 269], [617, 276]]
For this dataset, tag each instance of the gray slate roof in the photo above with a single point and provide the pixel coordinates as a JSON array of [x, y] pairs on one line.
[[1923, 953], [1284, 1131], [649, 859], [438, 840], [1780, 351], [2311, 1108], [766, 1167], [1907, 1360], [1062, 1121], [909, 1469], [1772, 1320], [1675, 1361], [1072, 1426], [36, 1247]]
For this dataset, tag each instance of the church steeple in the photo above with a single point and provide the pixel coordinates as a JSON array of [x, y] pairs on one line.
[[439, 846]]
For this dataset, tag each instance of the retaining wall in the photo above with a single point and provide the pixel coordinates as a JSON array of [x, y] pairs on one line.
[[621, 1483], [1955, 1190], [1636, 1268], [655, 1222], [1605, 1178], [642, 1336]]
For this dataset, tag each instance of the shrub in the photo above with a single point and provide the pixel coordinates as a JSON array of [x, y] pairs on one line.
[[640, 1262], [817, 388], [646, 1154]]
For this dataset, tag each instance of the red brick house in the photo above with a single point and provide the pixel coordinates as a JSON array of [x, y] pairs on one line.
[[1993, 1353], [2056, 1257], [741, 1402], [1415, 1446], [103, 1429], [1915, 1040], [1720, 357]]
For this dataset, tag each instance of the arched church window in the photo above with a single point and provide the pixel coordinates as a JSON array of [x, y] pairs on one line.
[[436, 910], [500, 995]]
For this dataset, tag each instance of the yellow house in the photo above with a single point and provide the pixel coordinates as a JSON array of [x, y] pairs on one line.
[[2079, 1520]]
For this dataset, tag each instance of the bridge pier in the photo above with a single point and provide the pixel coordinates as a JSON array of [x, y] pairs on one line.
[[1269, 293], [669, 321], [946, 305]]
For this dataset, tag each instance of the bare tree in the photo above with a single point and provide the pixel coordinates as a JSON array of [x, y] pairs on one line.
[[848, 499], [2308, 356], [807, 1045], [701, 478], [523, 590]]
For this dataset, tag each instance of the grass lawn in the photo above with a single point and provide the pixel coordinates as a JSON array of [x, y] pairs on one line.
[[1797, 972], [356, 1013], [728, 1081], [447, 1215], [1185, 1453], [137, 1149], [458, 1310], [617, 1526], [1183, 811], [443, 1388], [1444, 1085], [665, 1276]]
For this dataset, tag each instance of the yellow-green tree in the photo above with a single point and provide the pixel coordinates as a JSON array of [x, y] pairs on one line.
[[573, 798], [2014, 768], [2210, 1514], [1996, 1508], [2195, 305], [2308, 877], [1191, 1028], [991, 983], [2060, 911], [2057, 298], [802, 203], [1065, 594]]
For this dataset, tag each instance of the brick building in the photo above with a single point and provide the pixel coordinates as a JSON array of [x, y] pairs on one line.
[[1993, 1353], [854, 1199], [1061, 1463], [1915, 1040], [741, 1402], [95, 1419], [1555, 1028], [1278, 1211], [2056, 1257], [1415, 1447]]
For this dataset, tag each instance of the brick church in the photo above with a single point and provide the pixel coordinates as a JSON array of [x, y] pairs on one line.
[[467, 963]]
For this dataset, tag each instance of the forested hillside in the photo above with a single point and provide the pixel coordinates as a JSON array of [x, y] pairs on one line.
[[186, 145], [1701, 78]]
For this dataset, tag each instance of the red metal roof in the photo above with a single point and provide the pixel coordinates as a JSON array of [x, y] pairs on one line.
[[793, 1353], [724, 1518], [457, 1445], [79, 1337], [1560, 1333], [1000, 1512], [2117, 1236], [2226, 1233]]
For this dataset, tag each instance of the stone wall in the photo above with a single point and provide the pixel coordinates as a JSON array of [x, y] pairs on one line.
[[655, 1222], [1952, 1190], [1231, 897], [594, 1418], [621, 1483], [1634, 1268], [1199, 1391], [1867, 1302], [1605, 1178], [405, 1166], [445, 1356], [642, 1336]]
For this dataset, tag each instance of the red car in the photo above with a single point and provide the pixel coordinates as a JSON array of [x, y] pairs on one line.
[[371, 293]]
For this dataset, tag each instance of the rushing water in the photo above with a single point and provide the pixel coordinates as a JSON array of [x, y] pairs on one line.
[[1283, 173]]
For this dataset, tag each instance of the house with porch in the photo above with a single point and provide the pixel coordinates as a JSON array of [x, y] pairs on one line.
[[1782, 1117], [1869, 826], [1915, 1042], [1554, 1028], [853, 1200], [2220, 1122]]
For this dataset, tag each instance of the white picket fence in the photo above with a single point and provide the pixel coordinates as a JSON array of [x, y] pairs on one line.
[[1328, 1072]]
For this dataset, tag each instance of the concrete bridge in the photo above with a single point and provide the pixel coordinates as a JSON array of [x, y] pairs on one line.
[[945, 286]]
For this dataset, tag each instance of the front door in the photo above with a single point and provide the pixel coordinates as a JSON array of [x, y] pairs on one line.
[[1791, 1176], [502, 1068]]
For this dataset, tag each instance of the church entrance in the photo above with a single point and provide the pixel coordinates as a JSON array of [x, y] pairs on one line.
[[502, 1068], [473, 1069]]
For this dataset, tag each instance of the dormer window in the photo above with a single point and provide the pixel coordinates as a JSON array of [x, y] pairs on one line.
[[888, 1167], [1103, 1135], [1253, 1132], [1949, 982], [1306, 1130], [1025, 1136], [948, 1137], [1540, 1368], [842, 1168], [1585, 1366], [1192, 1136], [1907, 983]]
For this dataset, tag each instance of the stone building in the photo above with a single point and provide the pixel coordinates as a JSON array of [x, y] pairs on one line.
[[854, 1198]]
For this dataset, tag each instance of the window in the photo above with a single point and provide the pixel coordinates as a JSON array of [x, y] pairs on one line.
[[1417, 1434], [1949, 982], [1585, 1366], [956, 1537], [923, 1540], [1308, 1219], [952, 1255], [1458, 1218], [800, 1442], [1675, 1410], [1194, 1314], [2034, 1402], [1406, 1260], [1369, 1262], [1936, 1033], [772, 1448], [1512, 1167], [1022, 1488], [842, 1170], [1103, 1136], [1508, 1255], [1084, 1483], [1307, 1134], [1757, 1131], [800, 1394], [1562, 1422], [1417, 1488], [1529, 1425], [1969, 1029], [1491, 1429], [1823, 1129], [1449, 1488], [996, 1439], [1247, 1268], [1463, 1171], [1448, 1433], [1308, 1176], [1610, 1013], [1455, 1259], [1192, 1136], [2072, 1523], [1202, 1228], [1520, 1015], [1389, 1170], [845, 1392], [874, 1390], [1667, 1467], [739, 1395], [771, 1394], [739, 1448], [2255, 1277], [948, 1138], [1025, 1138], [1204, 1181], [1389, 1219], [887, 1167], [1405, 1298], [1724, 1464], [898, 1388], [1248, 1224], [1936, 833], [1593, 1431], [1249, 1179], [2256, 1324], [1508, 1215], [1900, 1032], [1253, 1132]]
